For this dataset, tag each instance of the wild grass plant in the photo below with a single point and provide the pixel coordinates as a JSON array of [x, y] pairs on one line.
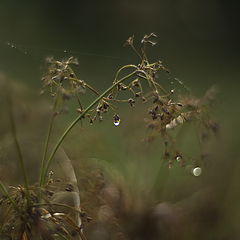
[[51, 207]]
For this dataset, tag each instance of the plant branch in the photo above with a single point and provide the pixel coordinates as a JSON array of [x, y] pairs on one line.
[[45, 170]]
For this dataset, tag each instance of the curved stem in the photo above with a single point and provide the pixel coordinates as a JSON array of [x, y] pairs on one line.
[[19, 152], [47, 139], [124, 67], [42, 181]]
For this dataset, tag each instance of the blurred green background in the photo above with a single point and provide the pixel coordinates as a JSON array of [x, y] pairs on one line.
[[198, 42]]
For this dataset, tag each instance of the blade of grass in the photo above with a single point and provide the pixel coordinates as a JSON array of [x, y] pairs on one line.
[[5, 192], [18, 148], [46, 143]]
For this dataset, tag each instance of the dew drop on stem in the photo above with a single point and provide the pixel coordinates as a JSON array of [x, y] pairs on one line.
[[116, 120], [178, 158], [197, 171]]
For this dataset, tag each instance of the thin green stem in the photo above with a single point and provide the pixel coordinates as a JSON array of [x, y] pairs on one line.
[[5, 192], [79, 118], [47, 139], [122, 68], [136, 51], [19, 152], [76, 79]]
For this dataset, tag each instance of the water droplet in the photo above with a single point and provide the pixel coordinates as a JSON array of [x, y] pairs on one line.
[[116, 123], [178, 158], [197, 171], [116, 120]]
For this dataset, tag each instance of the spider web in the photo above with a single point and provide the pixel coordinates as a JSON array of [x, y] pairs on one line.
[[39, 53], [31, 51]]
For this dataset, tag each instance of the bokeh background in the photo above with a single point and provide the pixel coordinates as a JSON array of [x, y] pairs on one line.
[[198, 42]]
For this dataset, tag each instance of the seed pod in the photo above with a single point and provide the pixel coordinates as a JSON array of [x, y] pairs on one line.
[[105, 105], [138, 94], [131, 102]]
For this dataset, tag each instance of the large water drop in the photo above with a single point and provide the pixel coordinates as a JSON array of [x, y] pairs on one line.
[[116, 120], [197, 171], [178, 158], [116, 123]]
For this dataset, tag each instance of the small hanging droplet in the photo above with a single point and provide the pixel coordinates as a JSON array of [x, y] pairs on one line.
[[197, 171], [116, 123], [178, 158], [116, 120]]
